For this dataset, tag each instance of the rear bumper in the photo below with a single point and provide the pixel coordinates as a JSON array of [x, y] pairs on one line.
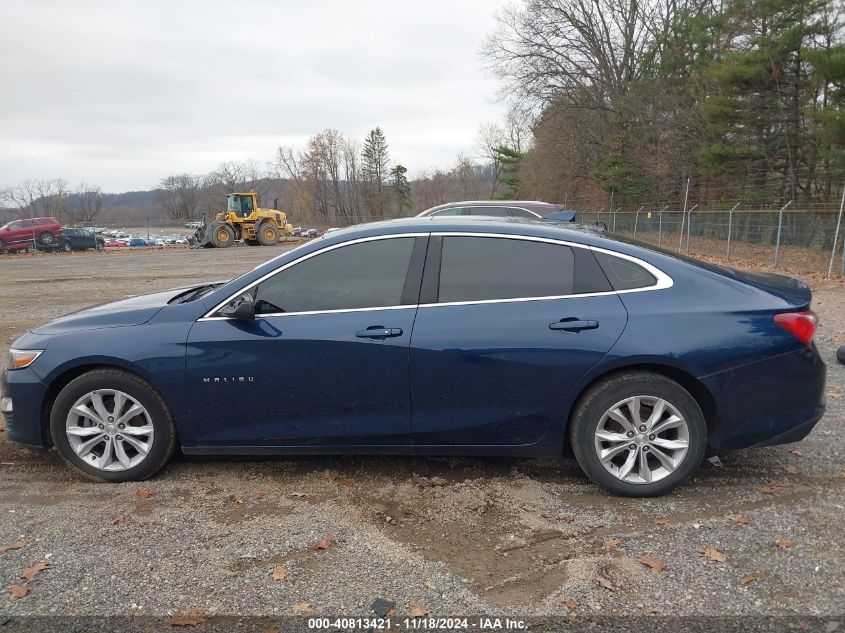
[[774, 401]]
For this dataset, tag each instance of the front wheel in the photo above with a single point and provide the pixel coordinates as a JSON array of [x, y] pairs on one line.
[[638, 434], [267, 234], [110, 425], [66, 247]]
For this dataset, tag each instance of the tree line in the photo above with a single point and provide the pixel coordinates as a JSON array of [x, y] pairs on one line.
[[633, 99]]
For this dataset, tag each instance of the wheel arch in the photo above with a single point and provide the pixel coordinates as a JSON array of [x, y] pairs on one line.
[[700, 393], [64, 377]]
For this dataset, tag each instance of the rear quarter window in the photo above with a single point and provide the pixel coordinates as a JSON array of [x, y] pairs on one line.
[[624, 274]]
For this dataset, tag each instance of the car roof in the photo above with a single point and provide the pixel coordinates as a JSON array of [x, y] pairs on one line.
[[538, 206]]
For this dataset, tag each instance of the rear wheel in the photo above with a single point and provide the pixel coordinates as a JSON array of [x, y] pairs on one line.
[[66, 247], [47, 239], [638, 434], [267, 234], [110, 425], [222, 235]]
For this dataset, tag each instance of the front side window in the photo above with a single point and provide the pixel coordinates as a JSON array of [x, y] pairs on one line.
[[484, 268], [450, 211], [364, 275]]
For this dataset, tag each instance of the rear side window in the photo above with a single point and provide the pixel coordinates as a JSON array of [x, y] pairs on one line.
[[521, 213], [484, 268], [624, 274], [365, 275], [490, 212]]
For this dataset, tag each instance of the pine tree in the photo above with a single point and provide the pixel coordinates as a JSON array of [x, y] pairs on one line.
[[509, 161], [375, 157], [401, 187]]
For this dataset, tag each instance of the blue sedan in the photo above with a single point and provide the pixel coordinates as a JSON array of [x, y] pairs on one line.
[[451, 337]]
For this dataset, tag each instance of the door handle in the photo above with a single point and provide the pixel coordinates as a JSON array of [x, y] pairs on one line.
[[379, 332], [572, 324]]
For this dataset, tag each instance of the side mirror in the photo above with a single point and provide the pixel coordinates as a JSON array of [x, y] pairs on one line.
[[241, 308]]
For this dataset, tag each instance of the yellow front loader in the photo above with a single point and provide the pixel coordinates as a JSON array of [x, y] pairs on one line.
[[243, 220]]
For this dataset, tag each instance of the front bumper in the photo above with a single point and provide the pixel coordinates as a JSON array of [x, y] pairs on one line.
[[23, 394]]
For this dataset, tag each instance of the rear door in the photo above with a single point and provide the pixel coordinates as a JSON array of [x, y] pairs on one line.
[[506, 327]]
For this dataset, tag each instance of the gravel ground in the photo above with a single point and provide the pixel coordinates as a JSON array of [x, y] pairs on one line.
[[518, 537]]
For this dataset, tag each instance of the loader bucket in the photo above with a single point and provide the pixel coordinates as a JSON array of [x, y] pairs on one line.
[[201, 237]]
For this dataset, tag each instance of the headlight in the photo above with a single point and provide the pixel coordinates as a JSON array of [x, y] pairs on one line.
[[20, 358]]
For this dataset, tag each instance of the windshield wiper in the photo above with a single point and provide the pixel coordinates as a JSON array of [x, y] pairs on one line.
[[194, 293]]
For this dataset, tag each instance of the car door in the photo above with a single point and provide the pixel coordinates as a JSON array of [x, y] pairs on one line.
[[325, 362], [506, 328]]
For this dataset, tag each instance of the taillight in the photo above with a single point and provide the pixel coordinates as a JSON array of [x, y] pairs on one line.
[[802, 325]]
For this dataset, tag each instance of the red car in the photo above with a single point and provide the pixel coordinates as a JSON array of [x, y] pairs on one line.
[[30, 233]]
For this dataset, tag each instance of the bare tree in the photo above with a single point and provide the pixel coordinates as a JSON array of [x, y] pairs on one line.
[[90, 201], [179, 197]]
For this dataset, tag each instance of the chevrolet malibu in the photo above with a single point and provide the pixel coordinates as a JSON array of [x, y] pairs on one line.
[[452, 337]]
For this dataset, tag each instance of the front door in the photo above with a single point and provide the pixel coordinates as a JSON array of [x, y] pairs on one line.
[[325, 362], [503, 340]]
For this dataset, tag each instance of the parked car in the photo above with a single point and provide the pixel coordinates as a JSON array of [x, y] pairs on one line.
[[41, 232], [193, 224], [137, 241], [310, 233], [529, 209], [115, 243], [453, 337], [73, 239]]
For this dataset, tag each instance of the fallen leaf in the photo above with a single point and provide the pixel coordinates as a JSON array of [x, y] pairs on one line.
[[792, 470], [18, 591], [796, 451], [324, 543], [258, 495], [117, 520], [742, 520], [604, 582], [297, 494], [770, 490], [237, 499], [269, 630], [31, 572], [345, 482], [144, 493], [713, 554], [661, 522], [611, 543], [302, 608], [417, 611], [569, 603], [655, 564], [188, 618], [279, 573], [13, 545], [745, 580], [785, 543]]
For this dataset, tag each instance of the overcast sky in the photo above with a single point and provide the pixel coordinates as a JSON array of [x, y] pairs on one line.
[[121, 94]]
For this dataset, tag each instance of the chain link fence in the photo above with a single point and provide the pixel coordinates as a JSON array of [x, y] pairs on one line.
[[796, 239]]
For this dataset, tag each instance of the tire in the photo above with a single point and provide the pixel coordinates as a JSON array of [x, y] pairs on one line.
[[66, 247], [840, 354], [617, 393], [47, 239], [100, 245], [267, 234], [222, 235], [160, 442]]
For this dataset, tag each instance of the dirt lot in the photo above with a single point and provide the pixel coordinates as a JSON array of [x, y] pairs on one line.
[[459, 536]]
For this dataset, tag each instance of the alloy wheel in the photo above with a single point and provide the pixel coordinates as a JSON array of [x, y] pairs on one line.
[[110, 430], [641, 439]]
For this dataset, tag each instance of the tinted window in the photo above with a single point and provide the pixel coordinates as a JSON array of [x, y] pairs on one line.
[[521, 213], [365, 275], [490, 212], [624, 274], [478, 268], [27, 224], [452, 211]]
